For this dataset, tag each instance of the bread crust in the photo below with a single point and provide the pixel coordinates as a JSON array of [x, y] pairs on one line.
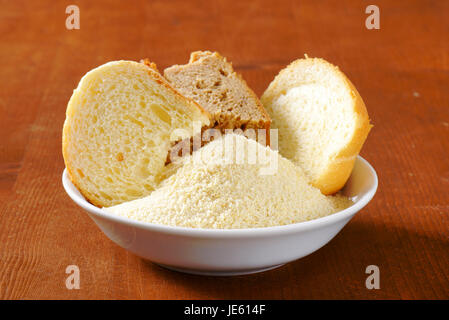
[[339, 168]]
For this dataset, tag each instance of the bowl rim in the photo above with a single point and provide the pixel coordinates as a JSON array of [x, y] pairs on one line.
[[247, 232]]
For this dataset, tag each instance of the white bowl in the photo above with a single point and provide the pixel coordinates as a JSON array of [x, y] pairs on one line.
[[233, 251]]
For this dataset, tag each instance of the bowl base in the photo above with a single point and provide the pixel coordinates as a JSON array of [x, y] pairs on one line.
[[219, 273]]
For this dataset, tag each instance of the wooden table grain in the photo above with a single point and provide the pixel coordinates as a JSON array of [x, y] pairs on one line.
[[401, 71]]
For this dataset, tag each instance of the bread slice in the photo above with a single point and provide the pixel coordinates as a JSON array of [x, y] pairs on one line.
[[211, 190], [212, 82], [119, 126], [321, 118]]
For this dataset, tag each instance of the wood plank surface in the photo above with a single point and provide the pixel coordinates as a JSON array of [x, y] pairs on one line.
[[401, 71]]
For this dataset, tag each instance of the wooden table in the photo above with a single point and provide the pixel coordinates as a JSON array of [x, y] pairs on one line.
[[401, 71]]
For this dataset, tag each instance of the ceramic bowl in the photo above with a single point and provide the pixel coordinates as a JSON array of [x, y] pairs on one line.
[[233, 251]]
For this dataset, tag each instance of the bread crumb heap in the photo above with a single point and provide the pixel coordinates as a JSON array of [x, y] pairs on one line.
[[204, 192]]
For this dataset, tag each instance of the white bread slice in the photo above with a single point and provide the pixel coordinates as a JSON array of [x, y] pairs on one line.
[[210, 80], [321, 118], [212, 190], [119, 128]]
